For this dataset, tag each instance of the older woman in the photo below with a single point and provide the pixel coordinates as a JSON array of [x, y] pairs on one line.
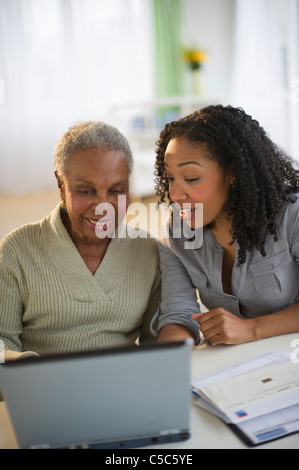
[[247, 268], [69, 282]]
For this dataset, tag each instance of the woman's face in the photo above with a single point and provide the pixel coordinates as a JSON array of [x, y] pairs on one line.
[[194, 178], [95, 177]]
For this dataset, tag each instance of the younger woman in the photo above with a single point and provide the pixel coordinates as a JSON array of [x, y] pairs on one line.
[[247, 269]]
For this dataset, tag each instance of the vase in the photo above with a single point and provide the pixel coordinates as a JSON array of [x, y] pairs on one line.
[[197, 85]]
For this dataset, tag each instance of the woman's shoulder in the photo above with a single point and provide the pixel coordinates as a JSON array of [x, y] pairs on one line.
[[290, 210], [25, 234], [288, 219]]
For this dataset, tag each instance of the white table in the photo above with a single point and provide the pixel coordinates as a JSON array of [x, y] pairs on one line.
[[207, 431]]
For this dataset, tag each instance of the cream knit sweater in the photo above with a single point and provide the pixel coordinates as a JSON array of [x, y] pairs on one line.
[[51, 303]]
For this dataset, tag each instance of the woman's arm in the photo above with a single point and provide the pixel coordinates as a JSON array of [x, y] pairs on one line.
[[219, 326], [11, 304], [178, 300], [174, 332], [279, 323]]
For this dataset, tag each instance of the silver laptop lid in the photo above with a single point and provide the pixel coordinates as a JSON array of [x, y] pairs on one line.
[[127, 397]]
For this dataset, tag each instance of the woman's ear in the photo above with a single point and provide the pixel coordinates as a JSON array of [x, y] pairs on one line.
[[232, 175], [60, 185]]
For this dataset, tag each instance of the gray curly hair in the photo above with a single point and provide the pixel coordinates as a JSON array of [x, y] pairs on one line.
[[89, 135]]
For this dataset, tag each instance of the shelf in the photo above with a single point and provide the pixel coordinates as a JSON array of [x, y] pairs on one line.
[[170, 101]]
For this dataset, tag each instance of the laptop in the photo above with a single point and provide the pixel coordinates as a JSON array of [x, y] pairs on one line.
[[110, 399]]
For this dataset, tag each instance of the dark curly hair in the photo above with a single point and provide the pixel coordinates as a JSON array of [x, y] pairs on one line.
[[265, 176]]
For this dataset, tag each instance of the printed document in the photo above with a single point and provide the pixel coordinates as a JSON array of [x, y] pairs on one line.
[[259, 396]]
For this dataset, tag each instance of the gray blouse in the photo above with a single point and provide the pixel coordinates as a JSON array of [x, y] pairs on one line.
[[260, 286]]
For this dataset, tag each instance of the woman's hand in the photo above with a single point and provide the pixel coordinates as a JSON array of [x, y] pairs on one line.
[[219, 326], [222, 327]]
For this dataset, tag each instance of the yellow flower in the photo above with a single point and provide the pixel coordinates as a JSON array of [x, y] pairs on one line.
[[194, 57]]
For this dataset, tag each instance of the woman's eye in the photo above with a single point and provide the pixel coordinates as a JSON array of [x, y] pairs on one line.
[[85, 192], [117, 191], [191, 180], [170, 179]]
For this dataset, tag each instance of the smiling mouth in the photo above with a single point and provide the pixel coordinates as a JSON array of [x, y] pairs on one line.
[[187, 213], [104, 225]]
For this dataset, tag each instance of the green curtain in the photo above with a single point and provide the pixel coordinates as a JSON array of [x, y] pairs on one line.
[[167, 17]]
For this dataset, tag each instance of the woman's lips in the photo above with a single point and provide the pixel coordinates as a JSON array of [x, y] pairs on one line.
[[99, 225], [186, 214]]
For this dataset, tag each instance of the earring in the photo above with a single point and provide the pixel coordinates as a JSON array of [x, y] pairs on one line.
[[63, 203]]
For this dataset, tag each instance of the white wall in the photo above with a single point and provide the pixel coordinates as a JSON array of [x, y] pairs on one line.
[[209, 26]]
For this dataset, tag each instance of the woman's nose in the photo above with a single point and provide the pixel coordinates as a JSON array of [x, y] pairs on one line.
[[176, 192], [101, 200]]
